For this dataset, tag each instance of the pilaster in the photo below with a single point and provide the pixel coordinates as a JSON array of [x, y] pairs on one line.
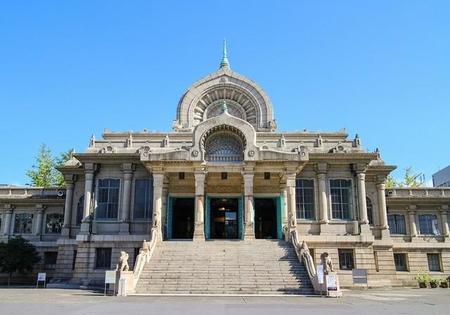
[[412, 221], [362, 202], [88, 193], [158, 181], [291, 177], [69, 180], [382, 208], [249, 229], [444, 218], [7, 220], [39, 220]]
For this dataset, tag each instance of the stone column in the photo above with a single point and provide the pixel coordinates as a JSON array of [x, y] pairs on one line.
[[127, 169], [284, 193], [382, 209], [412, 220], [249, 230], [88, 185], [292, 204], [321, 170], [7, 219], [444, 217], [199, 229], [39, 220], [158, 181], [363, 221], [68, 206]]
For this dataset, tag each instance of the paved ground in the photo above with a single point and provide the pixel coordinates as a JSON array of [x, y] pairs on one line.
[[380, 302]]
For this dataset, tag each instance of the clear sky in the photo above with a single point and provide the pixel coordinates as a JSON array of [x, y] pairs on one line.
[[377, 68]]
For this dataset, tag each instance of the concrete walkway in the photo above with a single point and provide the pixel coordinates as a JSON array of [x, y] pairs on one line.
[[381, 302]]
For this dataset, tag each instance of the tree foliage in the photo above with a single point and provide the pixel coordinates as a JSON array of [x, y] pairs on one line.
[[17, 255], [411, 179], [44, 173]]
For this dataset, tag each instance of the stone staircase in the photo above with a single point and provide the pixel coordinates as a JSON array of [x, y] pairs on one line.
[[224, 267]]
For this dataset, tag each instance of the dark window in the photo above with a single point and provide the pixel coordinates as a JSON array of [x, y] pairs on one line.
[[434, 262], [346, 259], [54, 223], [428, 224], [400, 262], [305, 198], [267, 175], [224, 175], [143, 199], [80, 208], [103, 258], [50, 260], [181, 175], [108, 199], [341, 196], [369, 210], [23, 223], [74, 259], [1, 221], [397, 223]]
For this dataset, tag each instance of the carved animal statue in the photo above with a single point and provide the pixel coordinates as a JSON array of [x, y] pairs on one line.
[[327, 263], [123, 262]]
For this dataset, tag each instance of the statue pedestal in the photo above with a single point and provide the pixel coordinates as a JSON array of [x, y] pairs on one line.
[[125, 283]]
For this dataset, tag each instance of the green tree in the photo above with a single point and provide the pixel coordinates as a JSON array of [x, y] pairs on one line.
[[59, 161], [410, 180], [43, 173], [18, 255]]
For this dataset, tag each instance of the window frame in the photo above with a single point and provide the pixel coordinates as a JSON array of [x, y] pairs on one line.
[[351, 203], [31, 224], [97, 203], [406, 264], [346, 251], [439, 262], [150, 211], [97, 262], [298, 203], [429, 224], [395, 215], [46, 222]]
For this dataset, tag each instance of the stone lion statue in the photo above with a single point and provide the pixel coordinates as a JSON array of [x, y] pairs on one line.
[[326, 263], [123, 262]]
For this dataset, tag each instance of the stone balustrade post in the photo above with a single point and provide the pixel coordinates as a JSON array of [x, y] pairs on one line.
[[249, 231], [199, 229], [127, 169]]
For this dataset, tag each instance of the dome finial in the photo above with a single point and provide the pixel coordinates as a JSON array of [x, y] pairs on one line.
[[224, 62]]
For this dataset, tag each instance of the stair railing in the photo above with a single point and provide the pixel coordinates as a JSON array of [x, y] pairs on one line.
[[132, 277], [305, 257]]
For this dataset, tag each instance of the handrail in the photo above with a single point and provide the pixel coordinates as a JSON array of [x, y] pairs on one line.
[[304, 256]]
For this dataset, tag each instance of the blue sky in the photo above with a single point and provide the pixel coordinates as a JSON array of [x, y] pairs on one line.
[[377, 68]]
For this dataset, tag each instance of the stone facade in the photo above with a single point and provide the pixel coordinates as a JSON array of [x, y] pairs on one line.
[[225, 145]]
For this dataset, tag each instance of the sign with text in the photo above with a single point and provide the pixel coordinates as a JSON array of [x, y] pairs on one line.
[[359, 276], [320, 273], [41, 276], [110, 276], [331, 282]]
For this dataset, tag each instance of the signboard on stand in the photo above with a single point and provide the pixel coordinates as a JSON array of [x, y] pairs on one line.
[[110, 278], [41, 277], [320, 274], [331, 282]]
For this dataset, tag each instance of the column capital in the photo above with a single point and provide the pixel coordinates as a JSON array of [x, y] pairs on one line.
[[128, 168], [361, 176], [9, 207], [359, 167], [381, 186], [412, 208], [70, 179], [321, 168], [444, 208], [381, 180]]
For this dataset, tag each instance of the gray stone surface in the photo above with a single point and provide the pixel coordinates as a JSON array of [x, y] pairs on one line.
[[53, 301]]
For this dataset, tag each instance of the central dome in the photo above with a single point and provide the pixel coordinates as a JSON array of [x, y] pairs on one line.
[[245, 100]]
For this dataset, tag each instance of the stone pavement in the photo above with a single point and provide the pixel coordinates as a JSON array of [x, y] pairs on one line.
[[67, 302]]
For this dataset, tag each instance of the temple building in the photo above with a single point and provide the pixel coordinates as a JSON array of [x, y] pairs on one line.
[[225, 179]]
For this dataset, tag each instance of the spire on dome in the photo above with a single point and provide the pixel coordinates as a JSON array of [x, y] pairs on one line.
[[224, 62]]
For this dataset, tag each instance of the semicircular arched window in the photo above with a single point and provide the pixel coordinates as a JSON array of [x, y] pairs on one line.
[[224, 147]]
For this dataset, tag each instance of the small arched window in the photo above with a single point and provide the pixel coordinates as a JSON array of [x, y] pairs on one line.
[[369, 210], [80, 208]]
